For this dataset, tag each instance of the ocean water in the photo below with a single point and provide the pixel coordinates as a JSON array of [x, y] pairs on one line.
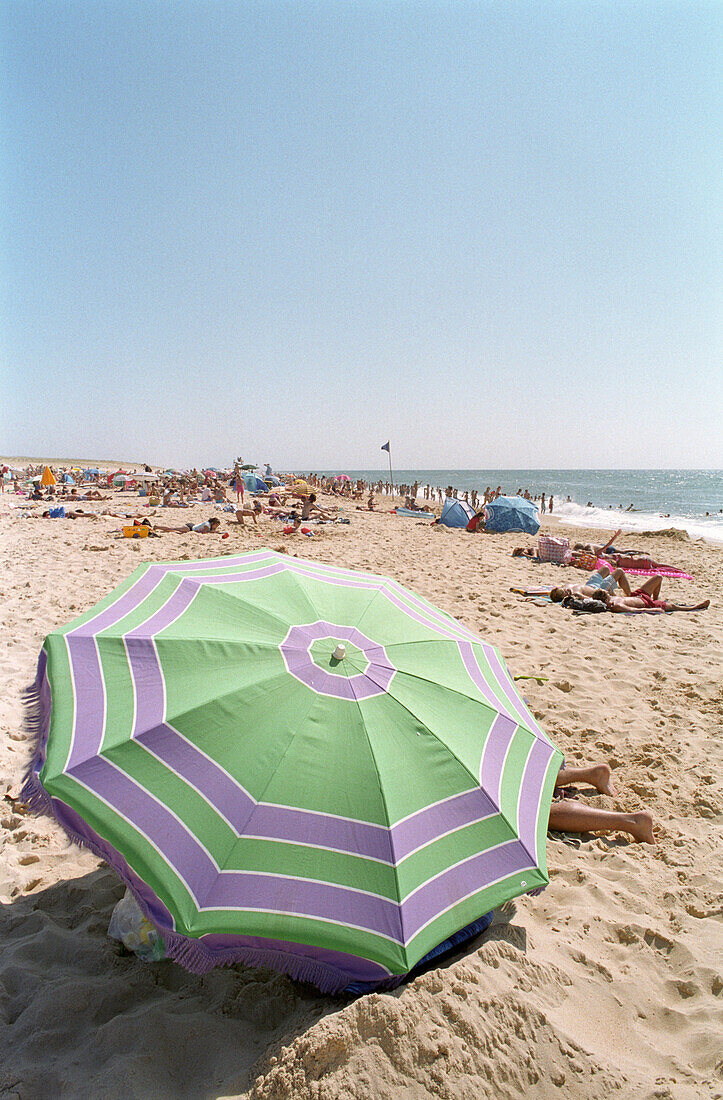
[[691, 500]]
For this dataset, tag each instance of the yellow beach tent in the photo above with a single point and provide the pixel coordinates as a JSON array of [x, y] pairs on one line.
[[48, 477]]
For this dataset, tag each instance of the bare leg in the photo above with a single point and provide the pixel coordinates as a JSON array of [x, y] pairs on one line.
[[622, 580], [574, 817], [652, 586], [688, 606], [597, 776]]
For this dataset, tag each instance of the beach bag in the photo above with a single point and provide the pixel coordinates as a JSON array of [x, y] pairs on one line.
[[581, 559], [57, 513], [554, 549]]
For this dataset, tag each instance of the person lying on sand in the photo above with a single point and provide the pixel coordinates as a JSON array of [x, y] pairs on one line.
[[569, 816], [645, 597], [253, 511], [207, 526], [77, 514], [602, 578], [598, 548], [524, 552]]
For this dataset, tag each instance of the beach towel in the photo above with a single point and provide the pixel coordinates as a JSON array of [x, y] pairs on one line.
[[676, 573]]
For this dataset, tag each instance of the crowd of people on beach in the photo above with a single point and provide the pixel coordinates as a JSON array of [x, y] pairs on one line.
[[293, 500]]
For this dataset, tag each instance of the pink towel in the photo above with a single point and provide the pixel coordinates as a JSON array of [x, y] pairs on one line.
[[677, 573]]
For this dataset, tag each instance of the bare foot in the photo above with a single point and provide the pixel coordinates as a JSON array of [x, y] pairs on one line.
[[641, 827], [600, 779]]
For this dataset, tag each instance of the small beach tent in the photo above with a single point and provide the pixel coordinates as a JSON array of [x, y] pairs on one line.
[[272, 479], [48, 477], [254, 484], [456, 513], [68, 479], [91, 472], [512, 514]]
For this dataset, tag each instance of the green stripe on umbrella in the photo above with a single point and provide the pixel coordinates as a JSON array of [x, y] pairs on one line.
[[272, 797]]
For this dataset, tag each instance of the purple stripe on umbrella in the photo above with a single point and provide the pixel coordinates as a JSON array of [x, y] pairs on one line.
[[89, 699], [224, 794], [508, 686], [356, 838], [122, 607], [304, 897], [471, 663], [163, 830], [530, 793], [425, 826], [456, 883], [498, 741]]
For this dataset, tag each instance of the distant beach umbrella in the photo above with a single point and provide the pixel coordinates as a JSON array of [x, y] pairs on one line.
[[48, 477], [342, 477], [512, 514], [291, 764]]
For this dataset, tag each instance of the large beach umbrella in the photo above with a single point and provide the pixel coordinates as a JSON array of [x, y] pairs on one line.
[[292, 764], [47, 477], [512, 514]]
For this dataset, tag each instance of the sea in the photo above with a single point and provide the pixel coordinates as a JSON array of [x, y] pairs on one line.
[[691, 500]]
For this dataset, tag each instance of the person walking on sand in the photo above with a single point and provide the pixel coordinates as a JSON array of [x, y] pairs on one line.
[[542, 505]]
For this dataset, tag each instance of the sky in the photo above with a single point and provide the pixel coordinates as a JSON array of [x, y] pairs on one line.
[[487, 232]]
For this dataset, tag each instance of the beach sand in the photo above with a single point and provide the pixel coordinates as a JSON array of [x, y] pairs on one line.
[[607, 985]]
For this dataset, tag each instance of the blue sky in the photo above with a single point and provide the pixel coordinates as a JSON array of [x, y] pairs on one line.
[[489, 232]]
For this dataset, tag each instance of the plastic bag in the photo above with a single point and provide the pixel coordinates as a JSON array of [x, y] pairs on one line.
[[134, 931]]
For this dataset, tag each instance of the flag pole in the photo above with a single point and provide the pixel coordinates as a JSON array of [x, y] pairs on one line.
[[386, 447]]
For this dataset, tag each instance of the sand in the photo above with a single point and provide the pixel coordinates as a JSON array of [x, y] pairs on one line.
[[607, 985]]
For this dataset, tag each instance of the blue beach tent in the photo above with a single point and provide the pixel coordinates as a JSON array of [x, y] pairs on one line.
[[512, 514], [254, 484], [456, 513]]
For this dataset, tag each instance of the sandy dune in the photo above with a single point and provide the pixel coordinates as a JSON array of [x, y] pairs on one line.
[[607, 985]]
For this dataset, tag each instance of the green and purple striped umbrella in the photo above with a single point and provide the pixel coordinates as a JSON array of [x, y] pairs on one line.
[[335, 817]]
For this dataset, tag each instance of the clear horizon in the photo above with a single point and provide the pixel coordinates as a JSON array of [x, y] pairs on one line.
[[293, 232]]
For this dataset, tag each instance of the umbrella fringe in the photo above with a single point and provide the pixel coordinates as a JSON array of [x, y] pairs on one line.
[[36, 723], [198, 959]]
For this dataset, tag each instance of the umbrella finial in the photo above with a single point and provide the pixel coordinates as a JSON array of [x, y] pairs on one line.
[[340, 652]]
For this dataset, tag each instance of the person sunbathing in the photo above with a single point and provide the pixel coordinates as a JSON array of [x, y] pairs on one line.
[[77, 514], [524, 552], [567, 815], [207, 526], [602, 578], [598, 548], [645, 598]]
